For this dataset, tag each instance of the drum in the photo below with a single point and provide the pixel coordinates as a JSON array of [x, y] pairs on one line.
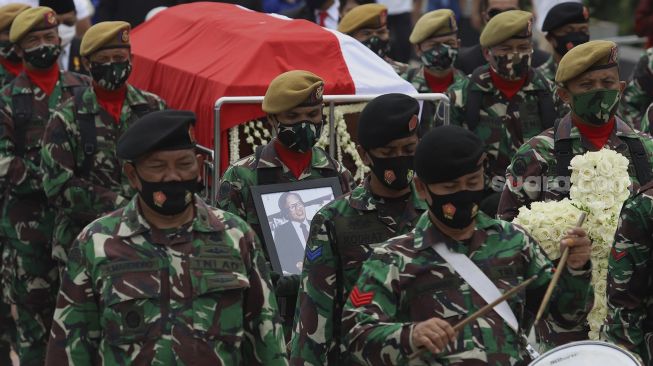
[[586, 353]]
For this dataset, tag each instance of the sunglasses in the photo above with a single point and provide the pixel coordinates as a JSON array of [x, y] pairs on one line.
[[494, 12]]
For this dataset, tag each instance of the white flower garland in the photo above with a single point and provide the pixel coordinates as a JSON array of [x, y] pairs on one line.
[[599, 186], [253, 130]]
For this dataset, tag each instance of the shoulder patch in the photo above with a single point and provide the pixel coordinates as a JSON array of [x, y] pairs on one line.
[[519, 166], [359, 298], [313, 254], [618, 255]]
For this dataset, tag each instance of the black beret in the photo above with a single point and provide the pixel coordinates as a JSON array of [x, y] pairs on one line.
[[161, 130], [59, 6], [563, 14], [386, 118], [446, 153]]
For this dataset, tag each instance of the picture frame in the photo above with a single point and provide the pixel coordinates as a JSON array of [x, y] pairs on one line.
[[284, 211]]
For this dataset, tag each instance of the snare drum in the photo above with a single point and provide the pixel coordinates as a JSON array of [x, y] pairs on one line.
[[586, 353]]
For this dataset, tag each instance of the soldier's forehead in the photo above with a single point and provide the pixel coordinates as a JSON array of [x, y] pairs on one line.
[[612, 72]]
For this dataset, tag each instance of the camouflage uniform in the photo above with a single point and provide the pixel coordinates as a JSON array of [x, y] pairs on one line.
[[234, 195], [415, 76], [31, 279], [505, 124], [548, 69], [638, 94], [195, 295], [342, 236], [82, 196], [398, 67], [629, 277], [537, 159], [405, 281]]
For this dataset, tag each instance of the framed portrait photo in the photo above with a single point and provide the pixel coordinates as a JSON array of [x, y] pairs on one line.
[[285, 212]]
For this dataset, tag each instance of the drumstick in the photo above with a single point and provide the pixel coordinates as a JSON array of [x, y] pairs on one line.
[[556, 275], [484, 310]]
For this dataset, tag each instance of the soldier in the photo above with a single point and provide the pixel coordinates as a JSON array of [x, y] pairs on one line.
[[10, 66], [81, 174], [588, 79], [293, 103], [436, 42], [367, 23], [167, 279], [413, 289], [27, 220], [638, 94], [508, 101], [10, 63], [628, 323], [344, 232], [566, 26]]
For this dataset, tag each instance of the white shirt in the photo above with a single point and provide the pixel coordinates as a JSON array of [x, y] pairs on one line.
[[397, 6], [298, 230], [333, 15]]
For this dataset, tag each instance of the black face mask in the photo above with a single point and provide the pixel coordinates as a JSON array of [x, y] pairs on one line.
[[111, 75], [8, 51], [377, 45], [569, 41], [395, 173], [457, 210], [168, 198], [43, 56]]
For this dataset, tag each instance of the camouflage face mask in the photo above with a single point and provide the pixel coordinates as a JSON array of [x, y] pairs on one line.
[[43, 56], [439, 57], [300, 136], [111, 75], [377, 45], [512, 66], [8, 51], [597, 106]]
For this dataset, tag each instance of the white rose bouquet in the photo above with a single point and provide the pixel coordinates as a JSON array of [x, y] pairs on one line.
[[599, 186]]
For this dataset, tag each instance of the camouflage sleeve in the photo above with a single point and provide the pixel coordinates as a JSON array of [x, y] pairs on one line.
[[375, 334], [75, 333], [347, 181], [313, 331], [570, 303], [263, 342], [457, 99], [525, 169], [636, 96], [629, 277], [231, 195], [76, 196], [21, 174]]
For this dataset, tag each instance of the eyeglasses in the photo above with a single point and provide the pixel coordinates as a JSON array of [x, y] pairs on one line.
[[494, 11]]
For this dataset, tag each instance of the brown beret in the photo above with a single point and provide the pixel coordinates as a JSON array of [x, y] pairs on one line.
[[593, 55], [32, 20], [105, 35], [507, 25], [432, 24], [364, 16], [9, 12], [297, 88]]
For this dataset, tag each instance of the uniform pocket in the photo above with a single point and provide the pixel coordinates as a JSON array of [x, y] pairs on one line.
[[132, 307]]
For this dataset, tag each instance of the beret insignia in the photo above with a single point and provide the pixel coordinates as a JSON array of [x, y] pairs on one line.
[[50, 18], [412, 125]]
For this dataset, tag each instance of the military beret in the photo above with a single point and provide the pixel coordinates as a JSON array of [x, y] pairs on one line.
[[386, 118], [565, 13], [297, 88], [363, 16], [446, 153], [161, 130], [507, 25], [105, 35], [9, 12], [590, 56], [434, 23], [59, 6], [32, 20]]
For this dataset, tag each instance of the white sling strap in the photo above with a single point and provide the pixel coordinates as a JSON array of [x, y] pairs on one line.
[[478, 281]]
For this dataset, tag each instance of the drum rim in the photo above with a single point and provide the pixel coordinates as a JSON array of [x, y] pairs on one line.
[[600, 343]]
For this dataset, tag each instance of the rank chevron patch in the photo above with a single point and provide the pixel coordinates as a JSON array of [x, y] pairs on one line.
[[313, 254], [359, 298], [618, 255]]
